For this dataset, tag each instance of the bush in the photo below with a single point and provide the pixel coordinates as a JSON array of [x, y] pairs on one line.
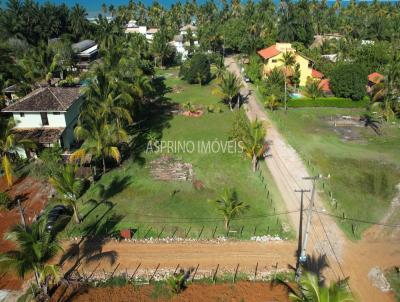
[[328, 102], [348, 80], [5, 201], [196, 70], [48, 164]]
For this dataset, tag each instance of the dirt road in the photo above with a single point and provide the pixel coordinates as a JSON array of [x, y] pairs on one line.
[[207, 254], [344, 257]]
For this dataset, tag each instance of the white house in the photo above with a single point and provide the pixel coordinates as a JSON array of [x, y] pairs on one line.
[[150, 33], [184, 29], [47, 117], [132, 27]]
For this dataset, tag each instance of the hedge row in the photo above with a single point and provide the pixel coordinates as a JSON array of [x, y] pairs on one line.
[[328, 102]]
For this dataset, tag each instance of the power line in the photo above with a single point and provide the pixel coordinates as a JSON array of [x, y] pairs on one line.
[[359, 220]]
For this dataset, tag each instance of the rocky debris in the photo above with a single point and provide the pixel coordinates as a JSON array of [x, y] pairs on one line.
[[217, 240], [167, 168], [378, 279], [266, 238]]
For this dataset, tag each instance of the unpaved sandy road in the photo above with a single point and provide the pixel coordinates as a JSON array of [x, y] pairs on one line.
[[345, 258]]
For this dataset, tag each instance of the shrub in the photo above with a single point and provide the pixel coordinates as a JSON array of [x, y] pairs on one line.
[[177, 282], [48, 164], [329, 102], [196, 70], [253, 69], [348, 80], [5, 201]]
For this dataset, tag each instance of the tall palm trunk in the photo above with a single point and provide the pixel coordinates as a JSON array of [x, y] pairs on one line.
[[238, 102], [76, 213], [230, 104], [226, 223], [5, 162], [285, 95], [103, 158], [254, 163]]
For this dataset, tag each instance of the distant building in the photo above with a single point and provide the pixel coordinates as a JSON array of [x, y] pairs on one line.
[[85, 52], [132, 27], [272, 59], [46, 116], [184, 29], [374, 78], [150, 33]]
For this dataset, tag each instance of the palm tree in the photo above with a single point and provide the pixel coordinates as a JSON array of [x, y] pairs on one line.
[[69, 187], [8, 147], [272, 102], [35, 247], [288, 60], [220, 69], [230, 206], [78, 21], [313, 89], [229, 88], [311, 291], [253, 142], [101, 139]]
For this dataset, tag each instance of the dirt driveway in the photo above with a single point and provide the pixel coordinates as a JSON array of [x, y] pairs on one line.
[[345, 258]]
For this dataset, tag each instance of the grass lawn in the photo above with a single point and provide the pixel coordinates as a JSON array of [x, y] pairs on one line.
[[394, 279], [175, 207], [364, 171]]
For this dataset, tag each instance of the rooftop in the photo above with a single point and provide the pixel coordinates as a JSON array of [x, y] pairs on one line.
[[187, 27], [43, 135], [82, 45], [152, 30], [269, 52], [46, 99], [375, 77], [316, 74]]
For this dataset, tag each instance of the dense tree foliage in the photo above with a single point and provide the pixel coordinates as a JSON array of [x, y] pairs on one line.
[[197, 69], [348, 80]]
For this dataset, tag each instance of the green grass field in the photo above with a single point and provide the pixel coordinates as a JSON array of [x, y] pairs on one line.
[[159, 207], [364, 171], [394, 279]]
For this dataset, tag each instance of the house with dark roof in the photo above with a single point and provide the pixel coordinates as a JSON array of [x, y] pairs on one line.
[[272, 59], [85, 52], [46, 116]]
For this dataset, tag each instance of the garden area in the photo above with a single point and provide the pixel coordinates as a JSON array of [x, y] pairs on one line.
[[363, 165], [155, 205]]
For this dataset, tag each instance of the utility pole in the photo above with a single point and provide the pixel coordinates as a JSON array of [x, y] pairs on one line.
[[303, 255], [299, 246], [21, 213]]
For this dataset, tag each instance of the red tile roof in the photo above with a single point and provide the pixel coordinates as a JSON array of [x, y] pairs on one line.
[[269, 52], [375, 77], [325, 85], [317, 74]]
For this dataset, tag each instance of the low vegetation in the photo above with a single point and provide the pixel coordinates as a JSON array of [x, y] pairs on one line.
[[363, 166]]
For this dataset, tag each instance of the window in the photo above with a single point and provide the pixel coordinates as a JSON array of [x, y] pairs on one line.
[[56, 113], [22, 114], [45, 120]]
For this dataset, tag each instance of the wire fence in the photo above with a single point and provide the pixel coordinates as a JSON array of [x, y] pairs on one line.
[[195, 273]]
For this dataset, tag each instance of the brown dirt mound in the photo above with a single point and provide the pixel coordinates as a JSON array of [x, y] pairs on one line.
[[241, 291]]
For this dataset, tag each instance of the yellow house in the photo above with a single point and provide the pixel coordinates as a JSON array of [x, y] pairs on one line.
[[272, 59]]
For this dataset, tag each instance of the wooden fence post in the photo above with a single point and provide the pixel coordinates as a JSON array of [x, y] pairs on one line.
[[214, 279], [215, 230], [201, 232], [255, 272], [112, 275], [236, 271], [134, 273], [195, 271], [155, 271], [176, 269], [162, 230], [187, 233]]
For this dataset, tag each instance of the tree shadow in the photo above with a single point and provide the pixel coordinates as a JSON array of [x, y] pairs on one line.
[[90, 247], [316, 265]]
